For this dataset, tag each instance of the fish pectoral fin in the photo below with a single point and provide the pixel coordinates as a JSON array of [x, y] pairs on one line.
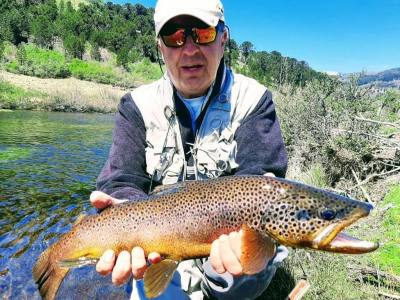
[[78, 262], [257, 250], [158, 276]]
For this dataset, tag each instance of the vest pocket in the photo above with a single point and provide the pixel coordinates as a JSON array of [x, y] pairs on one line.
[[161, 153]]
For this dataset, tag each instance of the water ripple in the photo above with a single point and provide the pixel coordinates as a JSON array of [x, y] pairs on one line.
[[49, 164]]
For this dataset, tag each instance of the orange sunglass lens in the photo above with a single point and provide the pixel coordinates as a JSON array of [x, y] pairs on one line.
[[205, 35], [176, 39]]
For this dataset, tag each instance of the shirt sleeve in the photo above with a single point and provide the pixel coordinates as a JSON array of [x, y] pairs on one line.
[[225, 286], [260, 146], [124, 174]]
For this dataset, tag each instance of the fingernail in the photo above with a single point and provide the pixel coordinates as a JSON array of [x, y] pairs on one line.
[[108, 256], [236, 270], [93, 196]]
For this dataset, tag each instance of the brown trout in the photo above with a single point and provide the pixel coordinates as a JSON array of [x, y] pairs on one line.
[[181, 221]]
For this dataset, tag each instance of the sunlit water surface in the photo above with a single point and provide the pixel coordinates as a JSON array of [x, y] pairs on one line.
[[48, 166]]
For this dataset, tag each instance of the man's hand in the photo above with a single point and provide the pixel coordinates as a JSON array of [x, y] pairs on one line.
[[226, 251], [101, 200], [126, 263]]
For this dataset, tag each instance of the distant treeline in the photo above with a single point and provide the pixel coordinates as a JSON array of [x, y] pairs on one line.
[[128, 31]]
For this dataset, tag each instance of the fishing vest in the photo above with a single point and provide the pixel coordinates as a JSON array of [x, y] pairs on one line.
[[214, 149]]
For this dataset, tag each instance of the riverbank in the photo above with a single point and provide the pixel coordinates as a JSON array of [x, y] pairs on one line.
[[49, 94]]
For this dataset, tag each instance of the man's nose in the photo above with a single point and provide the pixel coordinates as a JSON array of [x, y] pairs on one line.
[[190, 47]]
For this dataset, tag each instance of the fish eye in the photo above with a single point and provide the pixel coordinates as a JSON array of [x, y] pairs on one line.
[[327, 214]]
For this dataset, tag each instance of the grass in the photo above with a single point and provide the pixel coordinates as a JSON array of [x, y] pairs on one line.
[[12, 97], [388, 258], [66, 94], [315, 176]]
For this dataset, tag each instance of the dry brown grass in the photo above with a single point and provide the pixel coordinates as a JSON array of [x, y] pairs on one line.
[[69, 94]]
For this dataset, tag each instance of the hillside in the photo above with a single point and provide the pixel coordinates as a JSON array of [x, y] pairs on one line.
[[387, 78], [125, 30]]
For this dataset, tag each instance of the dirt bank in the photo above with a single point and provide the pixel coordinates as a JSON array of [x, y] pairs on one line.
[[67, 94]]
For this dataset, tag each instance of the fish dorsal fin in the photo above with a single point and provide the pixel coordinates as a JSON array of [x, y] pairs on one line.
[[257, 250], [168, 188], [158, 276], [79, 219]]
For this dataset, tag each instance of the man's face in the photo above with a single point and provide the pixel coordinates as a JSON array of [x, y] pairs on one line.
[[192, 68]]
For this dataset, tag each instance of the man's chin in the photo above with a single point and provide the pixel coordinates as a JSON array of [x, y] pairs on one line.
[[192, 88]]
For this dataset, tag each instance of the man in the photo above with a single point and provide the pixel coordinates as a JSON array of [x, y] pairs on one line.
[[199, 121]]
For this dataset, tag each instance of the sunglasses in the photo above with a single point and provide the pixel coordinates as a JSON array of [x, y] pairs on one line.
[[176, 37]]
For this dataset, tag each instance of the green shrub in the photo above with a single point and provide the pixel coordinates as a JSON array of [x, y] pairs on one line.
[[390, 104], [145, 70], [12, 67], [74, 45], [127, 56], [9, 51], [320, 127], [21, 55], [34, 61], [2, 46], [93, 71], [95, 52]]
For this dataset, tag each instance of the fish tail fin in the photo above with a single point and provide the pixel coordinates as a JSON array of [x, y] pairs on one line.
[[48, 275]]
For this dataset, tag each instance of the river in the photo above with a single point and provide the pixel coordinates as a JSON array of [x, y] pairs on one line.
[[48, 167]]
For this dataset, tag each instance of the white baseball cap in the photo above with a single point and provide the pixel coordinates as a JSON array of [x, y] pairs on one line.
[[209, 11]]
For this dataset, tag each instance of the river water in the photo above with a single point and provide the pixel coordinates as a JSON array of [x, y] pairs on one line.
[[48, 167]]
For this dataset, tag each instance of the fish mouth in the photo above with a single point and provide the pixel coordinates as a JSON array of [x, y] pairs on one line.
[[331, 238], [343, 243]]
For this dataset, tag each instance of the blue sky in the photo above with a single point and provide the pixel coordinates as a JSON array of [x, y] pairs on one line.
[[331, 35]]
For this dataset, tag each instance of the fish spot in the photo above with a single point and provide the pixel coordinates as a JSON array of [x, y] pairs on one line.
[[303, 215]]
